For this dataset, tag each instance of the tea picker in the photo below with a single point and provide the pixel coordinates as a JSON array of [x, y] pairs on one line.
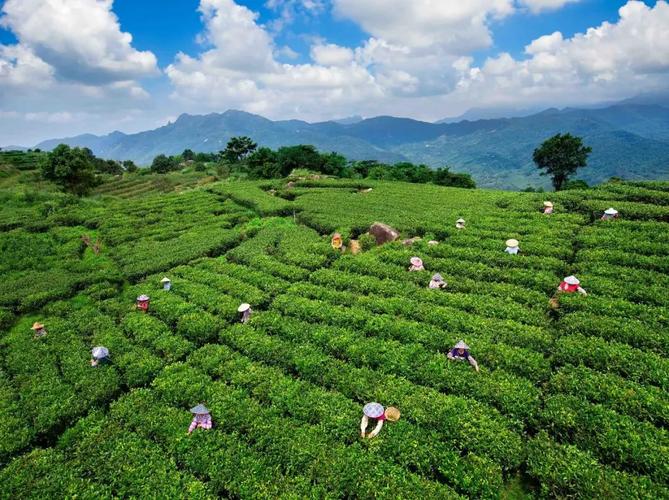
[[143, 303], [167, 284], [571, 284], [100, 356], [512, 247], [39, 330], [461, 353], [376, 412], [548, 207], [460, 224], [201, 418], [246, 311], [610, 214], [337, 243], [416, 264], [437, 282]]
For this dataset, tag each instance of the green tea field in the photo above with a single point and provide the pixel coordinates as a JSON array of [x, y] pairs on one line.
[[571, 400]]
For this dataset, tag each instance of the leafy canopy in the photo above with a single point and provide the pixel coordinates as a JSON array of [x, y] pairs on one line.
[[561, 156], [74, 169]]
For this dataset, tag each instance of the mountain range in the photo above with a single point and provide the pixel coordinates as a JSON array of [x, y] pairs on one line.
[[629, 139]]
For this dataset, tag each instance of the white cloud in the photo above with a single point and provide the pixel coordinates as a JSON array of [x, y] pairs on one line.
[[80, 39], [610, 61], [450, 26], [72, 65], [542, 5], [331, 55]]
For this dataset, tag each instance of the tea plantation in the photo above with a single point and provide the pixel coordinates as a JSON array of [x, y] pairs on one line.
[[571, 399]]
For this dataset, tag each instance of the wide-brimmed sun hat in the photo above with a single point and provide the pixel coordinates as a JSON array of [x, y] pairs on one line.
[[37, 326], [610, 211], [437, 277], [461, 345], [165, 280], [572, 280], [548, 204], [512, 243], [392, 414], [460, 221], [199, 409], [372, 410], [244, 307], [100, 352], [416, 261], [142, 298]]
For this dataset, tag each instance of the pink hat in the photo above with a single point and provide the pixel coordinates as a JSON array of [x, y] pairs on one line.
[[416, 261]]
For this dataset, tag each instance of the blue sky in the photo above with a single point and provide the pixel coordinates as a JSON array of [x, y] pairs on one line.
[[314, 59]]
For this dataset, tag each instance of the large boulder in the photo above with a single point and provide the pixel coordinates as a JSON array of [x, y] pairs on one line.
[[383, 233]]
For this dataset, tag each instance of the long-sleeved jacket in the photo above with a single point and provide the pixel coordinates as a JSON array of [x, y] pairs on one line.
[[566, 287], [455, 355], [202, 421], [365, 421]]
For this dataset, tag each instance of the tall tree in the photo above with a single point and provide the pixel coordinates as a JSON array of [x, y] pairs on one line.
[[560, 157], [239, 148], [71, 168], [163, 164]]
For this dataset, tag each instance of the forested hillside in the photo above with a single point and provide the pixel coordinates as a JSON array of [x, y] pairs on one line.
[[570, 400]]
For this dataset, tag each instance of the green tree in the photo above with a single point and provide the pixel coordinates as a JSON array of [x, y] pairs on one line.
[[239, 148], [444, 177], [129, 166], [71, 168], [188, 155], [263, 164], [302, 156], [163, 164], [561, 156]]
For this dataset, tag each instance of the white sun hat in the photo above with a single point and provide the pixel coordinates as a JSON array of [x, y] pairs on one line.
[[548, 204], [244, 307], [142, 298], [373, 410], [512, 243], [460, 221], [200, 410], [572, 280], [437, 277], [416, 261], [461, 345], [610, 211], [100, 352], [165, 280]]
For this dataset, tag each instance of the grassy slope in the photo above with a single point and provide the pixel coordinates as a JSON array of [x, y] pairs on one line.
[[330, 333]]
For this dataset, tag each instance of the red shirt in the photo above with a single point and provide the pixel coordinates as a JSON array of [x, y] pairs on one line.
[[566, 287]]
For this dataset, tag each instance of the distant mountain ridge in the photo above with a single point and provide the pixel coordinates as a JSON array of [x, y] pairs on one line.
[[628, 139]]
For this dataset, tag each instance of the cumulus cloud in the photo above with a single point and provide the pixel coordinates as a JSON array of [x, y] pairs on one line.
[[243, 72], [609, 61], [80, 39], [71, 60], [541, 5]]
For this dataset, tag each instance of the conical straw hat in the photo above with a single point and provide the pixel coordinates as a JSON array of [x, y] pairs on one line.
[[548, 204], [392, 414], [37, 326], [199, 409], [460, 221], [512, 243], [244, 307], [461, 345], [165, 280], [142, 298], [100, 352], [437, 277], [416, 261], [610, 211], [372, 410]]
